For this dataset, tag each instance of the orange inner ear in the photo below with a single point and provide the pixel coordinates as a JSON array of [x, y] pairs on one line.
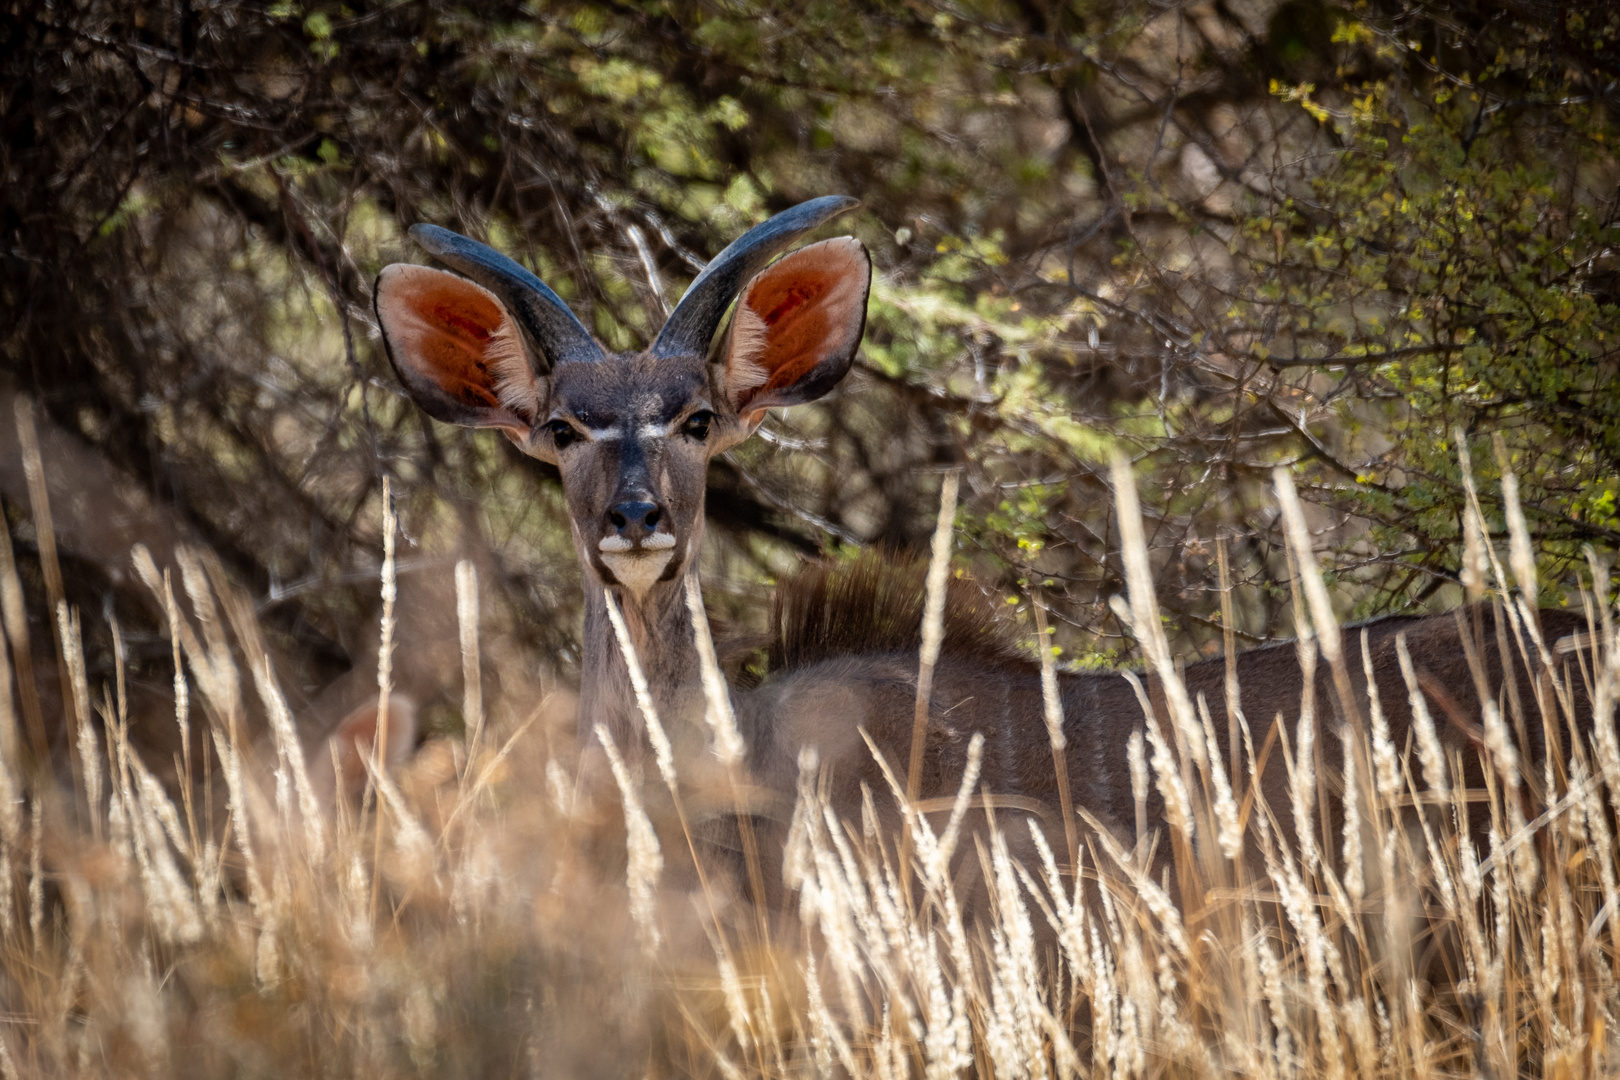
[[466, 324], [795, 315], [450, 332], [794, 327]]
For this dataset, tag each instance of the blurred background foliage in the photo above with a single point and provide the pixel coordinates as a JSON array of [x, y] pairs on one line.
[[1220, 235]]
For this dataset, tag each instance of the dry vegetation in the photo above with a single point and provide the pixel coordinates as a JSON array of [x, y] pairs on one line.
[[1219, 236], [484, 914]]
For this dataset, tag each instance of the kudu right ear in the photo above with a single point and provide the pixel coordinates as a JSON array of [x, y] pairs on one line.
[[797, 326], [457, 350]]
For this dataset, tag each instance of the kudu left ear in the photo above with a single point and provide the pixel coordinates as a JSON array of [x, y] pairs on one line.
[[797, 327]]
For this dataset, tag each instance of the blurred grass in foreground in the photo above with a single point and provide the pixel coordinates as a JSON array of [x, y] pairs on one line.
[[483, 915]]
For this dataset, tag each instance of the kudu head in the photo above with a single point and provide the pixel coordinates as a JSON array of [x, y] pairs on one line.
[[631, 433]]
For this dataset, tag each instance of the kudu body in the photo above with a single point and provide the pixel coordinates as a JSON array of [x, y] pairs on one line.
[[632, 435], [988, 689]]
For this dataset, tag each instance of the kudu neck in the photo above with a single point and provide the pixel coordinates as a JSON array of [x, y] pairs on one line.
[[660, 630]]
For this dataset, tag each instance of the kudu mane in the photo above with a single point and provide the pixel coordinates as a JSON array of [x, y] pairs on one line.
[[873, 604]]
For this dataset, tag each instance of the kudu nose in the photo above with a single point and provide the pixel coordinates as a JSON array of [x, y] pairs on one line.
[[634, 520]]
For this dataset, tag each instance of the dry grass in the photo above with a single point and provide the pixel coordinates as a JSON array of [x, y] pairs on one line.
[[483, 915]]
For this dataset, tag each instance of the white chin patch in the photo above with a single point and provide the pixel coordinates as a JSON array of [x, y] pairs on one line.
[[637, 572]]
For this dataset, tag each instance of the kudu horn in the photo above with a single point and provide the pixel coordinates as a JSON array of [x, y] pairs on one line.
[[692, 324], [555, 332]]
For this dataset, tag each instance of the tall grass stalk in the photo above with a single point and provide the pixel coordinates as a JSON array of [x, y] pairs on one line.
[[939, 564], [39, 502], [385, 671], [472, 675]]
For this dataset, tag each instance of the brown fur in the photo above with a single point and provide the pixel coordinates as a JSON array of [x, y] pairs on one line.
[[827, 703], [874, 604]]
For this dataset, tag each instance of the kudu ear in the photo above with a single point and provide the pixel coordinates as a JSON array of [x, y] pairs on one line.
[[796, 327], [457, 350], [338, 768]]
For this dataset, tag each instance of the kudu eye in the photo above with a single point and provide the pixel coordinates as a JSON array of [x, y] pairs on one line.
[[697, 425], [562, 433]]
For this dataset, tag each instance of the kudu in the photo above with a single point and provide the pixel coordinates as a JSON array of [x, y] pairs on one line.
[[632, 435]]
